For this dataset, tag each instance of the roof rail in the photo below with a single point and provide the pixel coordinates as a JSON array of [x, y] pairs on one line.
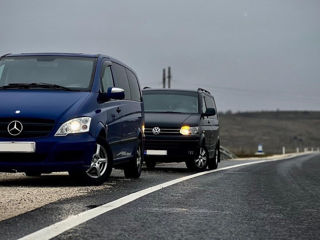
[[203, 90]]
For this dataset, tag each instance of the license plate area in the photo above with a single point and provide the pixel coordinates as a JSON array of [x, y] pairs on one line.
[[156, 152], [18, 147]]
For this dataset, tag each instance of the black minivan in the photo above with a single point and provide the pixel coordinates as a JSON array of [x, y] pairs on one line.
[[181, 125]]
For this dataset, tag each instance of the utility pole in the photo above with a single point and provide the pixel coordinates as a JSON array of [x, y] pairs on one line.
[[164, 78], [169, 77]]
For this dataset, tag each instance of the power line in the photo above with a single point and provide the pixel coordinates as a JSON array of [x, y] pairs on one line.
[[259, 92]]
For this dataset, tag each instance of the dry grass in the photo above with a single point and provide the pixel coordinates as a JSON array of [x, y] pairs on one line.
[[242, 132]]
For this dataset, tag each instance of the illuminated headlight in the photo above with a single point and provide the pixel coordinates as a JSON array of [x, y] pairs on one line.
[[76, 125], [142, 128], [187, 130]]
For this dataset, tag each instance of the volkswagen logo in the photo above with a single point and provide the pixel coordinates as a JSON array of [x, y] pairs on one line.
[[15, 128], [156, 130]]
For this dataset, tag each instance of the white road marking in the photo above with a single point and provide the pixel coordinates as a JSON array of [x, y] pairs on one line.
[[75, 220]]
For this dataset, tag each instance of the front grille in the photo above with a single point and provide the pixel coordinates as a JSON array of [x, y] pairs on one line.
[[32, 128], [170, 144], [163, 131]]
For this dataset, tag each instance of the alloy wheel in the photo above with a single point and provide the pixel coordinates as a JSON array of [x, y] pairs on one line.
[[99, 163], [202, 159], [139, 158], [216, 156]]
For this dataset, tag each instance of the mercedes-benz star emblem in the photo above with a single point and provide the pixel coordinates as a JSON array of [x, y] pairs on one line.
[[15, 128], [156, 130]]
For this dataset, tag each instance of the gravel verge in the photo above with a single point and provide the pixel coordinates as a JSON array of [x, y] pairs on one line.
[[20, 194]]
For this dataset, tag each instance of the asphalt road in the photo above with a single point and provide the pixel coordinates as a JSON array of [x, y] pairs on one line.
[[272, 200]]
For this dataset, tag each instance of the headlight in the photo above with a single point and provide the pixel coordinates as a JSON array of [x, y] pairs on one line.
[[76, 125], [187, 130]]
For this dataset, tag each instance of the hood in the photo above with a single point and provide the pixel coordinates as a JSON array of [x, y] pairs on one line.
[[39, 104], [171, 120]]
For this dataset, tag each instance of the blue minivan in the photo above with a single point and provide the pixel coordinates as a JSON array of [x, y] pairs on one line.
[[70, 112]]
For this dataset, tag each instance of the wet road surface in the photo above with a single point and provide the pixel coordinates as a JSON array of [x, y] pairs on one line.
[[277, 200]]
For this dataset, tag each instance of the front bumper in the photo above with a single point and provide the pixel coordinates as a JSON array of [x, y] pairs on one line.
[[72, 152], [178, 148]]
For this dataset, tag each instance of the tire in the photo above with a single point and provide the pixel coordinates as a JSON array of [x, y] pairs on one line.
[[150, 163], [213, 162], [133, 169], [200, 162], [100, 168], [33, 174]]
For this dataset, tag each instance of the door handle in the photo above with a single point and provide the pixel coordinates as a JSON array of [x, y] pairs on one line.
[[118, 110]]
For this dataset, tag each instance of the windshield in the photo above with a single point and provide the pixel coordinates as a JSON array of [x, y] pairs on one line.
[[73, 73], [180, 102]]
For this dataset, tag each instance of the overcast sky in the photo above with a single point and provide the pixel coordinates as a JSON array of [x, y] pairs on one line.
[[251, 54]]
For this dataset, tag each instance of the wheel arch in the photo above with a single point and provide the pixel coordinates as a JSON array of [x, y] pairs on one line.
[[102, 136], [202, 140]]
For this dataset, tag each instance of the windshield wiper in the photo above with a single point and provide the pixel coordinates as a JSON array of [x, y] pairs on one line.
[[16, 85], [35, 85]]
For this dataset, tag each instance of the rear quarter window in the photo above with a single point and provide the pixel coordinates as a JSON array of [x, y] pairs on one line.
[[134, 86]]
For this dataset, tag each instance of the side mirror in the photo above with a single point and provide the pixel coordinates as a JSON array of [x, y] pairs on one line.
[[115, 93], [209, 112], [112, 93]]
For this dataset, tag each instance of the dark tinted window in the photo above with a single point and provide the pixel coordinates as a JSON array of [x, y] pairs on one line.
[[204, 109], [162, 101], [120, 79], [210, 102], [107, 80], [134, 86]]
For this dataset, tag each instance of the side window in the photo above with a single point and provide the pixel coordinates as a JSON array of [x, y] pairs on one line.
[[214, 104], [209, 102], [1, 71], [120, 79], [107, 80], [134, 86], [204, 109]]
